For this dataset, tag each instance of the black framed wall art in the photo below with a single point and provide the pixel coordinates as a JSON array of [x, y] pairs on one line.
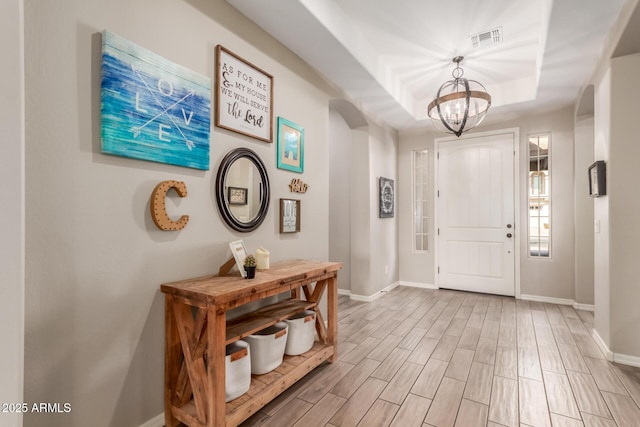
[[598, 179], [386, 198]]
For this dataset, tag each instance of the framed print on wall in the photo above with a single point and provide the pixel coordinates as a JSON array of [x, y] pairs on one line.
[[151, 108], [237, 195], [244, 96], [289, 216], [386, 198], [597, 179], [290, 146]]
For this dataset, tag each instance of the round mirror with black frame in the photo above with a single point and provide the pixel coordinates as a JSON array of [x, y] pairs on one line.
[[242, 190]]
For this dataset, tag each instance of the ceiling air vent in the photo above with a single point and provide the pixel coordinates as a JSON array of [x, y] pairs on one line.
[[487, 38]]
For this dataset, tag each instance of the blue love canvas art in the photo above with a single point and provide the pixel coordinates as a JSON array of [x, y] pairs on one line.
[[151, 108]]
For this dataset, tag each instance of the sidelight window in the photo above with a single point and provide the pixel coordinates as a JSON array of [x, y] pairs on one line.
[[539, 196], [420, 160]]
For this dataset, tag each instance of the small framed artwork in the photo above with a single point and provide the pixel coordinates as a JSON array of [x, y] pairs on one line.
[[244, 96], [598, 179], [237, 195], [386, 204], [239, 252], [290, 146], [289, 216]]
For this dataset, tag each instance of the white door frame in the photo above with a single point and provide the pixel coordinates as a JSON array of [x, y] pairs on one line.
[[516, 197]]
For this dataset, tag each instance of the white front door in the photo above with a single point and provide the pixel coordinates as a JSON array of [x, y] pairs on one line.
[[476, 213]]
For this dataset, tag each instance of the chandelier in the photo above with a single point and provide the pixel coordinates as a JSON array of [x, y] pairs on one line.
[[460, 104]]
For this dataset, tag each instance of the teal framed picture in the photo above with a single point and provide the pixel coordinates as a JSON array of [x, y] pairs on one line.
[[290, 146], [151, 108]]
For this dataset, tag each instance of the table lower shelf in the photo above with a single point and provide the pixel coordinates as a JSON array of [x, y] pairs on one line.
[[264, 317], [264, 388]]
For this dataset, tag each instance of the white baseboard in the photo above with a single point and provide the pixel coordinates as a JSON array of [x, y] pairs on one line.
[[623, 359], [585, 307], [626, 360], [552, 300], [418, 285], [560, 301], [344, 292], [155, 421], [601, 344], [369, 298]]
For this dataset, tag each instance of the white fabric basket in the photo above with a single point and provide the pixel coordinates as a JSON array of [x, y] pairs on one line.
[[302, 333], [267, 348], [238, 370]]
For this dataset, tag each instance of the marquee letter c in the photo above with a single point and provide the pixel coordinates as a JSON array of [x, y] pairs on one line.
[[159, 209]]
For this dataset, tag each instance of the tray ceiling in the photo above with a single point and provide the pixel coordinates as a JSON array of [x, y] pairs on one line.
[[391, 57]]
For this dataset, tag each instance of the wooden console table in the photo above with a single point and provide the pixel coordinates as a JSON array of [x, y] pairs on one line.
[[197, 331]]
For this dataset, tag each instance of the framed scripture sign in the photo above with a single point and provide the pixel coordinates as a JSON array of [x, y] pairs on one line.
[[289, 216], [151, 108], [244, 96], [290, 146]]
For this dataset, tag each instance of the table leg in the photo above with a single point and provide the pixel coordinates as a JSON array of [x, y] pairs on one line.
[[171, 361], [216, 337], [332, 316]]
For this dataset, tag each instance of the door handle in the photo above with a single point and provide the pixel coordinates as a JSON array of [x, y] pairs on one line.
[[509, 235], [509, 225]]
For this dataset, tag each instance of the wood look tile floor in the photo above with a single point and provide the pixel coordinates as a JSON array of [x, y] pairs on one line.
[[420, 357]]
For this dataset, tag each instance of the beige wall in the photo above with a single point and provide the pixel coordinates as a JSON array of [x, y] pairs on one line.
[[601, 210], [615, 247], [359, 214], [624, 207], [357, 235], [583, 203], [94, 315], [12, 212], [340, 147], [383, 143], [552, 278], [415, 268]]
